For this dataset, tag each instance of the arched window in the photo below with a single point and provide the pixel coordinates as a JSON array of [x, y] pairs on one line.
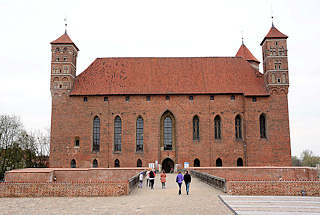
[[167, 131], [238, 127], [262, 120], [73, 163], [196, 133], [117, 134], [239, 162], [139, 163], [219, 162], [116, 163], [95, 163], [217, 127], [96, 134], [196, 162], [283, 78], [139, 135], [273, 78]]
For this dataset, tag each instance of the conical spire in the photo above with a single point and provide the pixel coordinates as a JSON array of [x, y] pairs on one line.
[[245, 53]]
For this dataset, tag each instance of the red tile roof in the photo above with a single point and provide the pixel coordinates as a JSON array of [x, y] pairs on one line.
[[193, 75], [246, 54], [64, 39], [274, 33]]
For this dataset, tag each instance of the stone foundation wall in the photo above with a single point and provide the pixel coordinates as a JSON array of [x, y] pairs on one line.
[[277, 188], [8, 189]]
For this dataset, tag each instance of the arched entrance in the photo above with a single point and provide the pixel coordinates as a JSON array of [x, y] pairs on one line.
[[167, 165], [196, 162]]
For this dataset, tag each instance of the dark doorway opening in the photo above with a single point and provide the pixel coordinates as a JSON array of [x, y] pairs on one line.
[[167, 165], [219, 162], [116, 163], [239, 162], [139, 163], [196, 162]]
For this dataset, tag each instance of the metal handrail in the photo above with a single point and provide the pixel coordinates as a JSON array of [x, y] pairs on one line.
[[215, 181]]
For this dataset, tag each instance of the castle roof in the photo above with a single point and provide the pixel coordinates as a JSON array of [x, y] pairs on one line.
[[245, 53], [64, 39], [274, 33], [184, 75]]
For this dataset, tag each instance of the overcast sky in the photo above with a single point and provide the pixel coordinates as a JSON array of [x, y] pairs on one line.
[[166, 28]]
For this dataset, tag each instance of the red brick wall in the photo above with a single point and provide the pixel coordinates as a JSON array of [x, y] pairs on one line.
[[277, 188], [68, 175], [72, 117], [62, 189], [261, 173], [29, 176]]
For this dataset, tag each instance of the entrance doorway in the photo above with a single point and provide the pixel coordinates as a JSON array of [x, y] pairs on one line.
[[167, 165]]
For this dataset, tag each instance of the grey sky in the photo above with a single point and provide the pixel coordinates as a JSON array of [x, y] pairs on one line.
[[156, 28]]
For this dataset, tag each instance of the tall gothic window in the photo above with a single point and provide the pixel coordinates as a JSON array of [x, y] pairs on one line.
[[217, 127], [196, 132], [238, 127], [167, 134], [117, 134], [96, 134], [262, 120], [139, 135]]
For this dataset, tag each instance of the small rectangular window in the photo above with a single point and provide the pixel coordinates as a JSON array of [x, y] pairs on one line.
[[167, 97], [254, 99], [85, 99], [127, 98], [190, 98], [232, 97], [211, 97], [57, 59], [105, 98], [148, 98], [77, 142]]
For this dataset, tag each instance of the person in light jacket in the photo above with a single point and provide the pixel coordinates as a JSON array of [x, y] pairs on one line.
[[179, 180]]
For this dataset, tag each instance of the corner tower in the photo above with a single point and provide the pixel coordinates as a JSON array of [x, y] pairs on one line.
[[63, 65], [275, 61]]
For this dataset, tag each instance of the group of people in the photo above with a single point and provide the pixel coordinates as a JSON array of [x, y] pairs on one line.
[[150, 176]]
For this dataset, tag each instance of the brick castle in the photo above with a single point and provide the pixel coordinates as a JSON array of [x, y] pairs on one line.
[[208, 111]]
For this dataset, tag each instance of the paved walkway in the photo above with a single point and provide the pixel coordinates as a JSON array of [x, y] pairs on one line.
[[273, 205], [202, 199]]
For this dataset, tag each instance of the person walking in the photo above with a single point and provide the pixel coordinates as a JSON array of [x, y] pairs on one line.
[[187, 181], [140, 179], [163, 179], [152, 175], [147, 177], [179, 180]]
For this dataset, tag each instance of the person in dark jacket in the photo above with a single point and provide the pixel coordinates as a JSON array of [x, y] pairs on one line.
[[151, 178], [187, 181]]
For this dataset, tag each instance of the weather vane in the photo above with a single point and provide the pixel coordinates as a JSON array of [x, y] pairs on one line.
[[65, 24], [242, 36]]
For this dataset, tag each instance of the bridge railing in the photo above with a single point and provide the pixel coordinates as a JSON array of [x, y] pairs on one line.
[[215, 181], [133, 181]]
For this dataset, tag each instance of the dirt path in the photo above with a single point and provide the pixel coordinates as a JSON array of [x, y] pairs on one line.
[[201, 200]]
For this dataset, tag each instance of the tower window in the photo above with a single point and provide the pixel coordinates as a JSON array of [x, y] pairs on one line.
[[196, 132], [211, 97], [278, 79], [85, 99], [64, 58], [127, 98], [76, 141], [238, 127], [190, 98], [105, 98], [254, 99], [148, 98], [167, 97], [276, 43], [57, 59], [232, 97]]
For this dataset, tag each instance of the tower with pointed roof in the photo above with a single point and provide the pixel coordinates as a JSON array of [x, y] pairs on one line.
[[245, 53], [63, 65], [275, 61]]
